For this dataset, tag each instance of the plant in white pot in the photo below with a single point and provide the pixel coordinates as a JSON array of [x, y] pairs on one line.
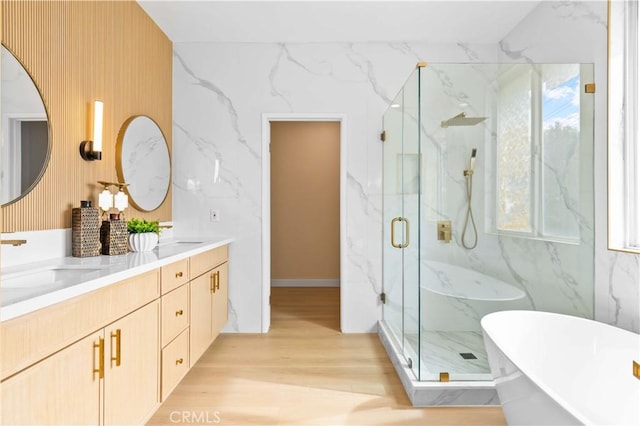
[[143, 234]]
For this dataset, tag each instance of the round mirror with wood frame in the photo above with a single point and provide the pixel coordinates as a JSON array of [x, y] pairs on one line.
[[26, 138]]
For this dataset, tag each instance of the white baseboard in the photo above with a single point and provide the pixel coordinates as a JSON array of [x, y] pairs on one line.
[[305, 283]]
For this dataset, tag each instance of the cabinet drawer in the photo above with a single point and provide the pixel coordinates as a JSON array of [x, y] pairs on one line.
[[175, 313], [203, 262], [174, 275], [175, 363]]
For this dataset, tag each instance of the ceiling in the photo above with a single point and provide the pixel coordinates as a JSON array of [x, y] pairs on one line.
[[337, 21]]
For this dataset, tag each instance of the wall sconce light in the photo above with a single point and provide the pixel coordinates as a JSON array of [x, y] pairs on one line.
[[121, 200], [92, 150]]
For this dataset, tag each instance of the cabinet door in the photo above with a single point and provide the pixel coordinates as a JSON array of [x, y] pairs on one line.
[[61, 389], [220, 296], [132, 349], [200, 321]]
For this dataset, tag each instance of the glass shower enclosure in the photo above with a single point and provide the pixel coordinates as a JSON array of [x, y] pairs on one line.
[[487, 206]]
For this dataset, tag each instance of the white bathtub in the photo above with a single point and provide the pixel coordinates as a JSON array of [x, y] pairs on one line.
[[553, 369]]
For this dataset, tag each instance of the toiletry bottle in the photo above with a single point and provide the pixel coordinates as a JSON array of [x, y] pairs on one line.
[[114, 235], [85, 230]]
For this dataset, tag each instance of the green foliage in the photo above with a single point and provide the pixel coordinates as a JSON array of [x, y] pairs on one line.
[[138, 226]]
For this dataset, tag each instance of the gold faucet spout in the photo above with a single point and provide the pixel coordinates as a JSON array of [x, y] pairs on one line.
[[14, 243]]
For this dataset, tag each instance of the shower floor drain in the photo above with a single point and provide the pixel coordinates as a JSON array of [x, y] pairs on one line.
[[468, 355]]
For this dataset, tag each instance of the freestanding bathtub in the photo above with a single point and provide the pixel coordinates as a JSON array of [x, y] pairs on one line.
[[553, 369]]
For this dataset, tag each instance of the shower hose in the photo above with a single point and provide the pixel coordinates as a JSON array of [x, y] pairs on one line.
[[468, 177]]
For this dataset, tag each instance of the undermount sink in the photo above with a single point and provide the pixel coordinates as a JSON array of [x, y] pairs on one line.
[[46, 277], [181, 242]]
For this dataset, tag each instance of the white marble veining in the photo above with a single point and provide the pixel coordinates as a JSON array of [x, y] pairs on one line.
[[217, 112], [617, 275], [221, 90], [462, 283], [555, 276], [22, 290]]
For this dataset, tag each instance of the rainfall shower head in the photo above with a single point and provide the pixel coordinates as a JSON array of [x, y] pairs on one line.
[[462, 120]]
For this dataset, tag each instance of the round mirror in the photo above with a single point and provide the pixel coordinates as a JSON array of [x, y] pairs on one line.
[[143, 162], [25, 143]]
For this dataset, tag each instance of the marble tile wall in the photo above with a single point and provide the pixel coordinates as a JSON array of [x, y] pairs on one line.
[[553, 276], [583, 39], [221, 90]]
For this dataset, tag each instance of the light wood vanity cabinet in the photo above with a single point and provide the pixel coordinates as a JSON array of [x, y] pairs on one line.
[[112, 355], [107, 377], [209, 292]]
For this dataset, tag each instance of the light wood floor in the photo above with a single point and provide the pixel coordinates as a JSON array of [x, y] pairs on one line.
[[303, 372]]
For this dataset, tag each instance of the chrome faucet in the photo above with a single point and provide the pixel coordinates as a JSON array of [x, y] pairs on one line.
[[14, 243]]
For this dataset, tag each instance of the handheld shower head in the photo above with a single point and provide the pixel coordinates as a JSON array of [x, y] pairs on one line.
[[472, 161]]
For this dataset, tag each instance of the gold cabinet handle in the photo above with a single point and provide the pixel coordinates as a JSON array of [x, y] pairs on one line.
[[116, 335], [100, 347], [178, 313], [179, 361], [636, 370], [179, 274], [215, 281]]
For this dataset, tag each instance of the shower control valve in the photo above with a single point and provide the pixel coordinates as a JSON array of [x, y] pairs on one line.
[[444, 230]]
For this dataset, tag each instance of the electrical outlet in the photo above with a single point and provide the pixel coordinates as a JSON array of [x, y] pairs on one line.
[[215, 215]]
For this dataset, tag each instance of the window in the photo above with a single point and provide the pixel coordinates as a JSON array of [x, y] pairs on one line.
[[538, 151], [624, 127]]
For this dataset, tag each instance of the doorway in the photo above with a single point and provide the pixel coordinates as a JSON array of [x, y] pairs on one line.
[[303, 207], [305, 222]]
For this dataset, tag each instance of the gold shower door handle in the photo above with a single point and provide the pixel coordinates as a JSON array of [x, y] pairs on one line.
[[393, 232], [406, 233]]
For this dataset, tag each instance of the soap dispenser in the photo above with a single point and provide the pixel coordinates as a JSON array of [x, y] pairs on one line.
[[114, 235]]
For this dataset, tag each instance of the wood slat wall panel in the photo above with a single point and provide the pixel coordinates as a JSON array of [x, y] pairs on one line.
[[77, 52]]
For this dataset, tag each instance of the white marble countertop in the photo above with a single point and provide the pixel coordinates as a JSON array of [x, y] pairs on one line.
[[73, 276]]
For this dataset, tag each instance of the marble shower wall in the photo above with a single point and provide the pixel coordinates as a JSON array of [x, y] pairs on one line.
[[554, 276], [221, 90], [584, 39]]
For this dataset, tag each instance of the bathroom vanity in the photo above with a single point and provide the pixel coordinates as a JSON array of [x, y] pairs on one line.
[[105, 340]]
